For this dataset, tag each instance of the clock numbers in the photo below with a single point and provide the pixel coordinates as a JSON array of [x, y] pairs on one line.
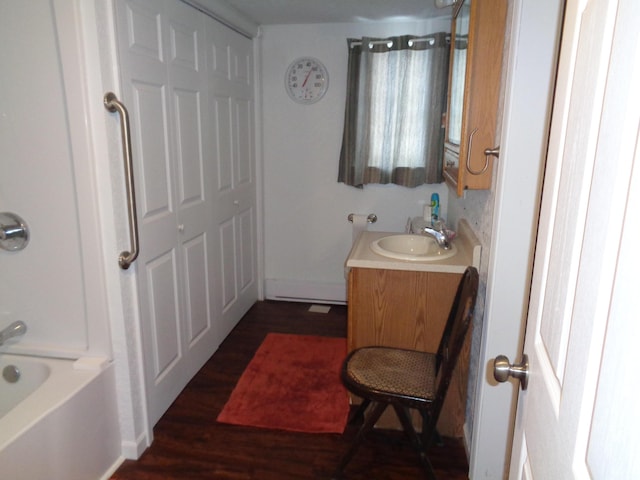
[[306, 80]]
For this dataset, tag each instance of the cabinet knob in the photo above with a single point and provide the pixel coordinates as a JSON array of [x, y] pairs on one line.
[[494, 152]]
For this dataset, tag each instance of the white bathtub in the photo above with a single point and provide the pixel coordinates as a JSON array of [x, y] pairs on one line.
[[59, 420]]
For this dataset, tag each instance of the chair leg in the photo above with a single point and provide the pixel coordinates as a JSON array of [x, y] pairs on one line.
[[368, 424], [359, 413], [407, 425], [430, 435]]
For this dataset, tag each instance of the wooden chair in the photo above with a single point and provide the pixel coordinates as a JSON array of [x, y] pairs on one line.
[[409, 379]]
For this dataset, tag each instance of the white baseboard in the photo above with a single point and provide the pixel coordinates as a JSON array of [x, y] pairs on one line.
[[306, 291], [133, 450], [112, 469]]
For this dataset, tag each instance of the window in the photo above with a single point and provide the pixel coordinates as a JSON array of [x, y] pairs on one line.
[[396, 94]]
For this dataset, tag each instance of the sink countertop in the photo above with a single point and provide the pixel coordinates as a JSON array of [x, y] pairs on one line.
[[468, 245]]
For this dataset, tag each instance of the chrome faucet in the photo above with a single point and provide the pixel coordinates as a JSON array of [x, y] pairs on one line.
[[13, 330], [441, 236]]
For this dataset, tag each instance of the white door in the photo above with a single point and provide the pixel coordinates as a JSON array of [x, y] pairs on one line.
[[179, 164], [579, 416], [231, 106]]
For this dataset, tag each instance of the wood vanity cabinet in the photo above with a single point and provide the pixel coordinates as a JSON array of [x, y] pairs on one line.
[[477, 32], [408, 309]]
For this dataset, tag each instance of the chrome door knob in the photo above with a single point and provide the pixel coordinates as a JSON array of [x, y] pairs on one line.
[[502, 370]]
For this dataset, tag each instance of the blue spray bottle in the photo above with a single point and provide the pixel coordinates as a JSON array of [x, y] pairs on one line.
[[435, 208]]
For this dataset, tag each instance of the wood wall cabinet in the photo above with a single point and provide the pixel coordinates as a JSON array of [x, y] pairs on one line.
[[478, 31], [408, 309]]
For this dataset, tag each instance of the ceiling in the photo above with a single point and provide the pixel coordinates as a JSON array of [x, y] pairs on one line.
[[279, 12]]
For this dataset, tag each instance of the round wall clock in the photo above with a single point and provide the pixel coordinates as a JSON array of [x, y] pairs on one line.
[[306, 80]]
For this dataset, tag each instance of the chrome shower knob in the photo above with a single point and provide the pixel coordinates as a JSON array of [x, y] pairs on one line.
[[14, 233]]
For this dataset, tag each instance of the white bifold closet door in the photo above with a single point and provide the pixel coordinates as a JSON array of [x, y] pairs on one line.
[[187, 82]]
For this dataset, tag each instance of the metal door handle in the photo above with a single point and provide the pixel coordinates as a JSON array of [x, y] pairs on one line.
[[502, 370], [112, 104]]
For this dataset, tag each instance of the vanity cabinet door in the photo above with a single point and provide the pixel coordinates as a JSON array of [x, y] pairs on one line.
[[477, 33], [407, 309]]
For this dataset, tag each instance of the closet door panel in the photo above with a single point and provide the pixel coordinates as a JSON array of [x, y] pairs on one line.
[[141, 28], [241, 56], [192, 172], [231, 90], [164, 81], [152, 149], [164, 314], [244, 131], [185, 44], [198, 314], [247, 260], [146, 91], [189, 147], [228, 264], [223, 142]]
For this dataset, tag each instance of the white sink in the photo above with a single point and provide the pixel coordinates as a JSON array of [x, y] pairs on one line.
[[417, 248]]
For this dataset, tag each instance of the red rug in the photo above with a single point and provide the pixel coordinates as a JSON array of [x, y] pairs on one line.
[[292, 383]]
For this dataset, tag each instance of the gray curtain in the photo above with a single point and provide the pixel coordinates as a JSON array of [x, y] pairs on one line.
[[396, 94]]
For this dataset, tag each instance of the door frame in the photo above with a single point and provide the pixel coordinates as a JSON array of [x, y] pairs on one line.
[[528, 77]]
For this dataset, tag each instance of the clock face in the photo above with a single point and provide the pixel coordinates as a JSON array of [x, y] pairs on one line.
[[306, 80]]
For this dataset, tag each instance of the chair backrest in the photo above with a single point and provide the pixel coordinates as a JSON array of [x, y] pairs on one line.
[[454, 335]]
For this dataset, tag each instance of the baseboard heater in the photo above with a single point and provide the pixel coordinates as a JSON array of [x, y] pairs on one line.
[[306, 291]]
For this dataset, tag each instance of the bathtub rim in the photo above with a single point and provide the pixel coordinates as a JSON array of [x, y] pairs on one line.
[[63, 382]]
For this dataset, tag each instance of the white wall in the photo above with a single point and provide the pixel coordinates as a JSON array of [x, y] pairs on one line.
[[307, 235]]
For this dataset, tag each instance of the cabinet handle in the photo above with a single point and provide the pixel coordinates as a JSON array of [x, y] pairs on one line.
[[112, 104], [468, 162]]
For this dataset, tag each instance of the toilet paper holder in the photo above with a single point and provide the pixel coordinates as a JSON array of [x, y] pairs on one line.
[[371, 218]]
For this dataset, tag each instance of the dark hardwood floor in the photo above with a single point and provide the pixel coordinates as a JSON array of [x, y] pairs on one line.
[[190, 444]]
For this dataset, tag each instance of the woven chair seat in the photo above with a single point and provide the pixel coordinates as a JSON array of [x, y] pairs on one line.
[[394, 371]]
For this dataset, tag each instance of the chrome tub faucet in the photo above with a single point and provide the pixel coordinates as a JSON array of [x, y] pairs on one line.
[[13, 330]]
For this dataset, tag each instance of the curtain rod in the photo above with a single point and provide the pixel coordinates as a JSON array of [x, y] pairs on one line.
[[389, 42]]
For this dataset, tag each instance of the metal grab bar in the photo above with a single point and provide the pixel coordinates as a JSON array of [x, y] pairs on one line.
[[112, 104]]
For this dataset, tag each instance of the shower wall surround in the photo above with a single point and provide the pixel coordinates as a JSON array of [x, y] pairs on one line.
[[53, 284]]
